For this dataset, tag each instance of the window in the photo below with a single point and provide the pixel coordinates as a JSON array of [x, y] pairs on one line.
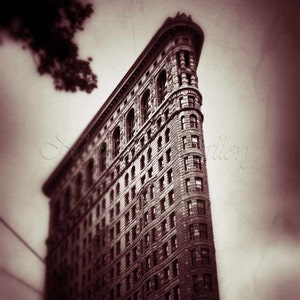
[[111, 196], [166, 113], [118, 189], [150, 171], [111, 253], [116, 141], [118, 227], [156, 282], [134, 253], [130, 122], [168, 155], [148, 286], [67, 205], [207, 282], [134, 232], [111, 233], [191, 232], [111, 214], [103, 205], [149, 154], [154, 257], [127, 219], [160, 163], [118, 292], [166, 274], [164, 227], [195, 142], [174, 243], [189, 208], [149, 134], [161, 184], [153, 232], [152, 213], [118, 247], [151, 191], [117, 208], [186, 163], [172, 220], [170, 176], [186, 58], [199, 184], [175, 268], [188, 185], [176, 293], [146, 218], [171, 197], [161, 85], [182, 122], [142, 162], [135, 275], [203, 231], [145, 106], [193, 257], [159, 143], [132, 192], [197, 162], [167, 135], [205, 257], [191, 101], [133, 212], [126, 160], [78, 187], [195, 284], [102, 157], [126, 179], [162, 205], [201, 207], [165, 250], [193, 121], [127, 260], [147, 263], [158, 123], [168, 296], [128, 282], [132, 172], [184, 142], [142, 142], [90, 173]]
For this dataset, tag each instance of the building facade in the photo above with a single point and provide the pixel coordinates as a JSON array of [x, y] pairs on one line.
[[130, 213]]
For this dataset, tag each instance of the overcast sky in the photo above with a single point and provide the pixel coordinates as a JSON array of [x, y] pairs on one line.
[[247, 76]]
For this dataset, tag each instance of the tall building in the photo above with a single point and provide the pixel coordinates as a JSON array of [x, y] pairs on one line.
[[130, 214]]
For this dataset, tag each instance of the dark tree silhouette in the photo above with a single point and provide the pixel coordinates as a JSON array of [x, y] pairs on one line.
[[47, 28]]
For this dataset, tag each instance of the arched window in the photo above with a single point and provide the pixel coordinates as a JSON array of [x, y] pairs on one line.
[[89, 173], [78, 187], [142, 162], [67, 205], [167, 135], [102, 157], [193, 121], [130, 124], [159, 143], [145, 106], [126, 179], [182, 121], [132, 172], [116, 141], [118, 189], [161, 85], [149, 154]]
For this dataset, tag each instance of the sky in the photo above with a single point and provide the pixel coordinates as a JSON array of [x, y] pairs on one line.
[[248, 78]]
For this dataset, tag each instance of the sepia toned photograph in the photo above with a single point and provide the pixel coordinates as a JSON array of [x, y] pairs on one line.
[[149, 150]]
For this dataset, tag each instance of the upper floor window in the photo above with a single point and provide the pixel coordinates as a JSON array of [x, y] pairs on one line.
[[195, 142], [167, 135], [193, 121], [149, 154], [116, 141], [142, 162], [199, 184], [191, 101], [102, 158], [182, 120], [126, 179], [186, 58], [67, 200], [132, 172], [145, 106], [78, 187], [159, 143], [130, 124], [161, 85], [207, 282], [90, 173]]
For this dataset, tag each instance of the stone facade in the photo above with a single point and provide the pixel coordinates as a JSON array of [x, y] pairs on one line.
[[130, 214]]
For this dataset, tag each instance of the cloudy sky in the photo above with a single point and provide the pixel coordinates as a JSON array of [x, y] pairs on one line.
[[247, 76]]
